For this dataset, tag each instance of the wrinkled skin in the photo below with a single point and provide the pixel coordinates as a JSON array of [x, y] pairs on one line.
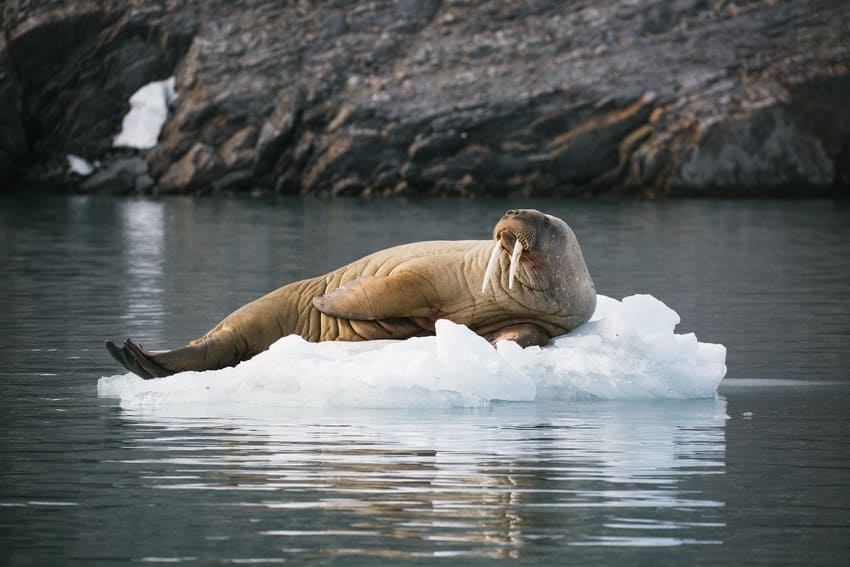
[[400, 292]]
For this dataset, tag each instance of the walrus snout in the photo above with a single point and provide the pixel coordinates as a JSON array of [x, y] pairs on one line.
[[516, 233], [509, 236], [518, 225]]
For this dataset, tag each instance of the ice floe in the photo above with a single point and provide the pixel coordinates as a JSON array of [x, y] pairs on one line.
[[629, 350]]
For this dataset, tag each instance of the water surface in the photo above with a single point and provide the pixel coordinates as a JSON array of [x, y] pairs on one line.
[[759, 475]]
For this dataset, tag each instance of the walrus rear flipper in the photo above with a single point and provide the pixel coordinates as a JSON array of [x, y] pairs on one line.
[[134, 359], [145, 361]]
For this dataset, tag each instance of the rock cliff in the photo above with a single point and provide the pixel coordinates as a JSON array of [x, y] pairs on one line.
[[428, 97]]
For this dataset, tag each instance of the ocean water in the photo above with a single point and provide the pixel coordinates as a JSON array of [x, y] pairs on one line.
[[757, 474]]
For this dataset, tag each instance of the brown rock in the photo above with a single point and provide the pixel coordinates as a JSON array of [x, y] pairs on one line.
[[423, 97]]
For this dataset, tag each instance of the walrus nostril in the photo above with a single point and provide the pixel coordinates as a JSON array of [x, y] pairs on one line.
[[512, 213]]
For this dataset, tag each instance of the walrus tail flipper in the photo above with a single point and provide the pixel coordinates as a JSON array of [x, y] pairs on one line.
[[124, 359], [212, 352], [133, 358], [146, 361], [119, 355]]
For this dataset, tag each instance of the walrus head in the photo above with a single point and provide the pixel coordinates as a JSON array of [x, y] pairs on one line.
[[543, 255], [533, 238]]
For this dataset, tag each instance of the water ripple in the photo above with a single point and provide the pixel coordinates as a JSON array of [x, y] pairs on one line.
[[479, 483]]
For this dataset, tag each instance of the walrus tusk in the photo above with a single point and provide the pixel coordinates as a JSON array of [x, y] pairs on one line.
[[514, 263], [491, 265]]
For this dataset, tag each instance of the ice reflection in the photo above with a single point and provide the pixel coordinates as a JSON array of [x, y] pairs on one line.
[[454, 482], [143, 233]]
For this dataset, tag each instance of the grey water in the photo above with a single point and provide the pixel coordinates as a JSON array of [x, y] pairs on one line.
[[758, 475]]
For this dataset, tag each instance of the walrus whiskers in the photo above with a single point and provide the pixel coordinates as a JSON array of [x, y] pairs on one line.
[[514, 263], [491, 265]]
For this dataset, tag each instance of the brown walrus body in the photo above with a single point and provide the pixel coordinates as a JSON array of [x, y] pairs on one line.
[[536, 286]]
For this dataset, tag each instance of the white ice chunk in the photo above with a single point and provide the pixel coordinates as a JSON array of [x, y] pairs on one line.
[[79, 166], [148, 111], [628, 351]]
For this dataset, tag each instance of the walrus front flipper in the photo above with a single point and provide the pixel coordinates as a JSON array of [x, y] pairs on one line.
[[524, 334], [404, 294], [134, 359]]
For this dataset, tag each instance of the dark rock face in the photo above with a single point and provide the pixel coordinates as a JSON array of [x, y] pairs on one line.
[[124, 175], [691, 97], [76, 65], [13, 145]]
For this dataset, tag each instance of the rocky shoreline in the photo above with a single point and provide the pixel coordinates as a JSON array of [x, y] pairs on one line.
[[422, 97]]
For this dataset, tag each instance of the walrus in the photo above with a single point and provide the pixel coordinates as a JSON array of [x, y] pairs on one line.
[[529, 284]]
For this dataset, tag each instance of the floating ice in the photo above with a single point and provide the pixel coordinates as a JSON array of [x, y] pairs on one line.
[[78, 165], [627, 351], [148, 111]]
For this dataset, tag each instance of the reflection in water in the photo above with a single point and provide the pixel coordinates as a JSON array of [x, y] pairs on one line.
[[143, 232], [480, 483]]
